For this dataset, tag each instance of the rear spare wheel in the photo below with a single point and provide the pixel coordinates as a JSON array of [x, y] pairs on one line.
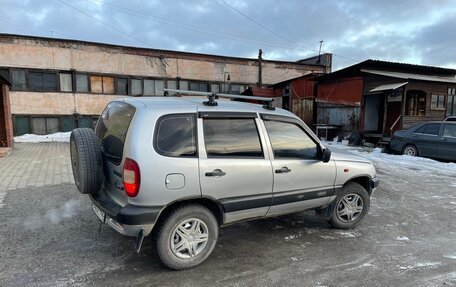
[[86, 160]]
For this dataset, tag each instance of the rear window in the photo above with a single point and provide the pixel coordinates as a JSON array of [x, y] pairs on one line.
[[112, 128]]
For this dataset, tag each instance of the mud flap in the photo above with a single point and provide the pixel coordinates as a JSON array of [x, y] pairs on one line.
[[139, 240]]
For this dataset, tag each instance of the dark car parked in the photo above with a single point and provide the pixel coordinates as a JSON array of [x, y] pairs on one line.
[[432, 139]]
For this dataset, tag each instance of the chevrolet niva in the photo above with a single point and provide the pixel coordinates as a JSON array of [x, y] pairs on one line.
[[180, 168]]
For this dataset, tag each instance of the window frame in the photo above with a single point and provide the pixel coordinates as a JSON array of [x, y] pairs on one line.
[[102, 76], [141, 86], [89, 87], [195, 130], [14, 88], [52, 72], [299, 124], [72, 81], [415, 97], [234, 115], [437, 107]]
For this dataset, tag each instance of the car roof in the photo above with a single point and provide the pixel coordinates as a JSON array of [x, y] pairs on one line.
[[197, 102]]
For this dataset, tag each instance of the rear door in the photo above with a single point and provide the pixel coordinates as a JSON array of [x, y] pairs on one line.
[[448, 142], [301, 180], [427, 139], [111, 130], [234, 169]]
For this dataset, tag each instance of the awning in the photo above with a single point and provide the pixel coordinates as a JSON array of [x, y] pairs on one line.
[[407, 76], [388, 87]]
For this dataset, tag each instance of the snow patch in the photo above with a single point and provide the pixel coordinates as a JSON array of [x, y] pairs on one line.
[[402, 238], [420, 264], [450, 256], [32, 138]]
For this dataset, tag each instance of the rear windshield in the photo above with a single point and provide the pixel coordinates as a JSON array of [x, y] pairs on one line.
[[112, 128]]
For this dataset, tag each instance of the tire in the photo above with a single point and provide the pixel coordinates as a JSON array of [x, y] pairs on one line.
[[353, 197], [190, 222], [86, 160], [410, 150]]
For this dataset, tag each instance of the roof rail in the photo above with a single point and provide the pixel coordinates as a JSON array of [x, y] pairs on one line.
[[214, 96]]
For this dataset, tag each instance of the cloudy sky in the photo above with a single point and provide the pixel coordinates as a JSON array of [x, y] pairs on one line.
[[411, 31]]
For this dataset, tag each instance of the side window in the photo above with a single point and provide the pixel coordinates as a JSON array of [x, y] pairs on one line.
[[232, 138], [432, 129], [175, 135], [449, 131], [290, 141], [420, 130]]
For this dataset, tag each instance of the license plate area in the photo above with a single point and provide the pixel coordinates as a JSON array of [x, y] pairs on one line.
[[100, 214]]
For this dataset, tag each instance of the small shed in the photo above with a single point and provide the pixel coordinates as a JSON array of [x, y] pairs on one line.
[[377, 98]]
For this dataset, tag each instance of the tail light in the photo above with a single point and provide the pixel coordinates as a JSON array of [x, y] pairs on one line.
[[131, 177]]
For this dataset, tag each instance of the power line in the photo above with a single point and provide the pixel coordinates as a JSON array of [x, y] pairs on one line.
[[276, 34], [103, 23], [264, 27], [193, 28]]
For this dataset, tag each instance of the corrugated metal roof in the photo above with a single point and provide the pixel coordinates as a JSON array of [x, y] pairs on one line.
[[388, 87], [412, 76]]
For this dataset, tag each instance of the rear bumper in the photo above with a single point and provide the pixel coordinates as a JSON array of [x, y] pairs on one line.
[[127, 220]]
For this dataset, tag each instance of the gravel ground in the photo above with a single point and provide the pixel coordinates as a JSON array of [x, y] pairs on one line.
[[49, 237]]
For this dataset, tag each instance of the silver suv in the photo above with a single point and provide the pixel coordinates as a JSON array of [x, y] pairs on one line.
[[180, 168]]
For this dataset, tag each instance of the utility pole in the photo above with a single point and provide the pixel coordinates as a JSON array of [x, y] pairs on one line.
[[319, 51], [260, 68]]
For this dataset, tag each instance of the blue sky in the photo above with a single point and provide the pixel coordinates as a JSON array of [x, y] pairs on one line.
[[410, 31]]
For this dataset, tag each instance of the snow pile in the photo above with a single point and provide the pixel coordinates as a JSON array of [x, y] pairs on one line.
[[32, 138], [409, 163]]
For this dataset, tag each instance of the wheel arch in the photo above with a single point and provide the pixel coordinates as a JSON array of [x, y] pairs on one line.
[[214, 206], [363, 180]]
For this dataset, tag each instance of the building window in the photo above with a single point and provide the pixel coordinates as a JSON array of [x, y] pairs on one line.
[[153, 87], [122, 86], [171, 84], [149, 88], [66, 82], [82, 83], [136, 89], [18, 79], [415, 103], [451, 104], [183, 85], [437, 102], [40, 81], [102, 84], [45, 126], [198, 86], [215, 88]]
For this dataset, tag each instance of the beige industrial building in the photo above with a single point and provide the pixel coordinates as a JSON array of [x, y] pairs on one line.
[[51, 85]]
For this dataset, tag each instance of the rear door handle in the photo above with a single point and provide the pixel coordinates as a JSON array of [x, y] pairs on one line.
[[215, 173], [283, 170]]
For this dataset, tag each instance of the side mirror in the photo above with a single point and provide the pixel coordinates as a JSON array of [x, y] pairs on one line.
[[326, 156]]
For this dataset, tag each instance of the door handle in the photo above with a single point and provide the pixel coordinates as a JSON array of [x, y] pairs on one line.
[[215, 173], [283, 170]]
